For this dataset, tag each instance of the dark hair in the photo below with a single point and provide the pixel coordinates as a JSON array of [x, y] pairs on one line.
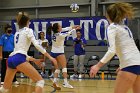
[[53, 28], [22, 19], [40, 34], [78, 30], [7, 26], [118, 11]]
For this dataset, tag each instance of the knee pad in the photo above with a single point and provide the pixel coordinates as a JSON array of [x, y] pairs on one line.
[[3, 90], [40, 83], [57, 71], [64, 70]]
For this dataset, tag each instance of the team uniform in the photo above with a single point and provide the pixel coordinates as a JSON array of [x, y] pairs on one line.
[[58, 41], [121, 43], [22, 40], [58, 49]]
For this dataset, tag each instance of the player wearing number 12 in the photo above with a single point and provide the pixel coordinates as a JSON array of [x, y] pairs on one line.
[[57, 51]]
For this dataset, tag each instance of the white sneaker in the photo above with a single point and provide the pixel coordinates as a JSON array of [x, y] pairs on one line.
[[2, 83], [67, 85], [74, 76], [16, 83], [51, 76], [80, 76], [21, 75]]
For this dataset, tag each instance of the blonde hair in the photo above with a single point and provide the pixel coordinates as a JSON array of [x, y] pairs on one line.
[[118, 11], [22, 19]]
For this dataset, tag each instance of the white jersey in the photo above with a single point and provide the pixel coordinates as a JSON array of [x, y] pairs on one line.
[[22, 41], [58, 40], [122, 44]]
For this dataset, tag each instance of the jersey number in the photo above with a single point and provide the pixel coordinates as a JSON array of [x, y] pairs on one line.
[[17, 37], [54, 38], [129, 32]]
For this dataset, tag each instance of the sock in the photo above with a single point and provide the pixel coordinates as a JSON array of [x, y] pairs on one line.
[[65, 81], [55, 80]]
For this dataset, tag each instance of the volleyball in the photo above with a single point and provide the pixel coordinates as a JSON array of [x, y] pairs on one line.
[[74, 7]]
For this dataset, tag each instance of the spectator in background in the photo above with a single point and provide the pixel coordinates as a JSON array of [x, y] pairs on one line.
[[6, 47], [79, 57], [44, 43]]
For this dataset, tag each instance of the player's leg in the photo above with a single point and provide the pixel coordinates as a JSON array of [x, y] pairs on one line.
[[62, 60], [124, 81], [10, 73], [31, 72], [136, 86]]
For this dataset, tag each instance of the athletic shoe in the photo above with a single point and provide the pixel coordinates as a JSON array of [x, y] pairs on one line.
[[67, 85], [80, 76], [51, 76], [2, 83], [16, 83], [74, 76], [56, 86], [21, 75]]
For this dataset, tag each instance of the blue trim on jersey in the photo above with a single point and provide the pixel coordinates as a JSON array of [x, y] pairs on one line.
[[54, 55], [15, 60], [128, 31], [107, 38], [132, 69]]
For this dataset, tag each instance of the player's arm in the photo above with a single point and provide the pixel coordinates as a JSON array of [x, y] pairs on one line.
[[0, 52], [38, 62], [1, 47], [63, 35], [69, 28], [111, 35], [39, 47]]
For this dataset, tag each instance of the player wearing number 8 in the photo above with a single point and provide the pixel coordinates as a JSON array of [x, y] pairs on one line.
[[57, 51]]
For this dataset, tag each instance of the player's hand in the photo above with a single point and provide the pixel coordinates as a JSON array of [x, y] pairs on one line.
[[93, 71], [38, 62], [53, 60]]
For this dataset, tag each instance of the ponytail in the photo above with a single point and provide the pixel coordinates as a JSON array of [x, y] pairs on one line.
[[22, 19], [49, 29], [53, 28]]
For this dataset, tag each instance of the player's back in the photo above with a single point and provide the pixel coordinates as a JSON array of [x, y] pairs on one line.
[[125, 46], [22, 41]]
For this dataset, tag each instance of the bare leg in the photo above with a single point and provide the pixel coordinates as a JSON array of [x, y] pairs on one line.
[[62, 60], [10, 73], [124, 81], [31, 72], [136, 86]]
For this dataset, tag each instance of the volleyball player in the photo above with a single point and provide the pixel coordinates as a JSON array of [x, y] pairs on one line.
[[17, 60], [122, 44], [57, 51]]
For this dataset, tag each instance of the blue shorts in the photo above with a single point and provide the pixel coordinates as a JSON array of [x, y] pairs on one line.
[[15, 60], [54, 55], [132, 69]]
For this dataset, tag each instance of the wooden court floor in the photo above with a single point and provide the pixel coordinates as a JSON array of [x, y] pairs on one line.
[[80, 86]]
